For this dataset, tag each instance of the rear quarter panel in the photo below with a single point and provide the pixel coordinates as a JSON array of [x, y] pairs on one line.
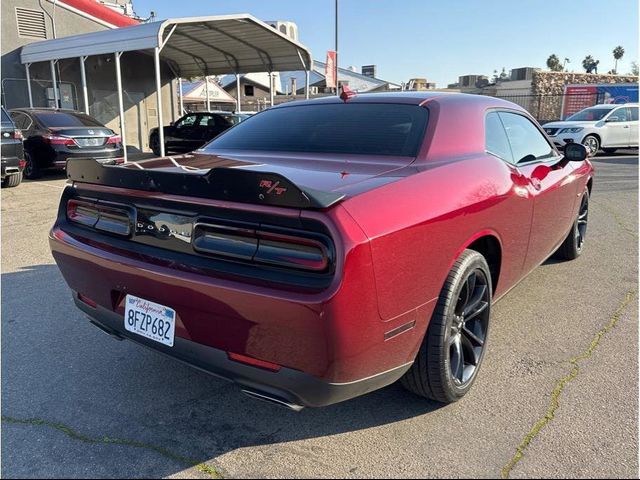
[[419, 225]]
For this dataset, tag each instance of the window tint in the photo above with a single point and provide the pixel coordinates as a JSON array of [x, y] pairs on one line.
[[621, 114], [527, 142], [187, 121], [207, 120], [22, 121], [634, 113], [348, 128], [495, 137], [63, 119], [5, 116]]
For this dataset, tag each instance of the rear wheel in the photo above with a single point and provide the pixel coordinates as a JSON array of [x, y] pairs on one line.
[[572, 246], [154, 144], [31, 170], [453, 348], [12, 180], [592, 143]]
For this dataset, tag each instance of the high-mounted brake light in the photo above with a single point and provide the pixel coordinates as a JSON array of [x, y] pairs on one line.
[[58, 140], [102, 217]]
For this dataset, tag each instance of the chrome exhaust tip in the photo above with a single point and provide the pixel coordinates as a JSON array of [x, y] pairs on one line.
[[265, 397]]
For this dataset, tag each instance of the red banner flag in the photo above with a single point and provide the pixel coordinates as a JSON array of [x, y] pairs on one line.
[[330, 69]]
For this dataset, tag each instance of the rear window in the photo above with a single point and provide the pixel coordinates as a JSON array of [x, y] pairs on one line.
[[5, 117], [347, 128], [62, 119]]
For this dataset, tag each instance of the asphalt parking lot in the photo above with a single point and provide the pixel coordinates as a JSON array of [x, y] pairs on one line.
[[557, 395]]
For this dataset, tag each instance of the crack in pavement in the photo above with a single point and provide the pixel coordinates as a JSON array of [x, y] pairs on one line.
[[616, 216], [71, 433], [562, 383]]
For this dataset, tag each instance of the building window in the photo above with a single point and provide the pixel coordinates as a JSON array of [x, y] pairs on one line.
[[248, 90], [30, 23], [283, 29]]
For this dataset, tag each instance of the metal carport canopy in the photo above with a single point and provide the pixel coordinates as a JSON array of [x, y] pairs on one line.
[[192, 45]]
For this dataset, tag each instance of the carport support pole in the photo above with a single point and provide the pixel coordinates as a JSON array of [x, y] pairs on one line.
[[206, 86], [271, 89], [85, 93], [306, 88], [121, 104], [180, 96], [55, 82], [156, 60], [238, 103], [26, 66]]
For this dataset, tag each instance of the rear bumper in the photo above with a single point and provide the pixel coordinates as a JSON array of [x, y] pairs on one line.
[[287, 387], [11, 166], [108, 157]]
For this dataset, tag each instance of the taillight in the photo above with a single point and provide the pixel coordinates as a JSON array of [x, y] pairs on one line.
[[102, 217], [114, 139], [22, 163], [283, 250], [17, 134], [58, 140]]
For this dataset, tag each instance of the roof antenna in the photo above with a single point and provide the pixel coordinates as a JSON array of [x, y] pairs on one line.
[[346, 93]]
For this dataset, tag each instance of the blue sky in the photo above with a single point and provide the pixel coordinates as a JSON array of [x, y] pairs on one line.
[[443, 39]]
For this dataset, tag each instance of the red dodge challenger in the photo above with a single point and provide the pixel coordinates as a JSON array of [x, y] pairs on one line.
[[324, 249]]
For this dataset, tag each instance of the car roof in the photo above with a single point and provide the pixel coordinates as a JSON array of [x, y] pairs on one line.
[[613, 105], [412, 98], [47, 110]]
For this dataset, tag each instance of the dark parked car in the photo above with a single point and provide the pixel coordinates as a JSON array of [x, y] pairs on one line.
[[53, 136], [193, 130], [327, 248], [12, 152]]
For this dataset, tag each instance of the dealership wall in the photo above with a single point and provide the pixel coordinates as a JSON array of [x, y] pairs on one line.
[[138, 76]]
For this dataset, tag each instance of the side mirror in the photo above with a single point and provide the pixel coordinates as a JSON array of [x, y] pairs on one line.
[[576, 152], [614, 118]]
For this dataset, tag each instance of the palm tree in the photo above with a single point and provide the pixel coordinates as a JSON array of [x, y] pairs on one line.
[[566, 60], [590, 64], [553, 63], [618, 53], [634, 68]]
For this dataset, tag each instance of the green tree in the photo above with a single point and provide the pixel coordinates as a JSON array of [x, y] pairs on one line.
[[618, 53], [553, 63], [634, 68], [590, 64]]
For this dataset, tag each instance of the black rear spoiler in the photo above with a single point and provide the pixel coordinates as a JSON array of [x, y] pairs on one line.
[[220, 183]]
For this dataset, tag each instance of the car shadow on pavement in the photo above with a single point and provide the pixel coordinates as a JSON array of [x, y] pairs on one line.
[[58, 368]]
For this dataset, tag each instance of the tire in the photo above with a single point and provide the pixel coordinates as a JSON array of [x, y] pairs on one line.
[[609, 150], [573, 245], [31, 170], [12, 180], [433, 374], [154, 144], [592, 143]]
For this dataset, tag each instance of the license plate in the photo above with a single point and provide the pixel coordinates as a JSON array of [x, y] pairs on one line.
[[90, 142], [151, 320]]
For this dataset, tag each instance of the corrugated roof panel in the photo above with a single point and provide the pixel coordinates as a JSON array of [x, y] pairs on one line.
[[197, 45]]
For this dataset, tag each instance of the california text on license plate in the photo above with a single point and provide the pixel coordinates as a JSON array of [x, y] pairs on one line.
[[149, 319]]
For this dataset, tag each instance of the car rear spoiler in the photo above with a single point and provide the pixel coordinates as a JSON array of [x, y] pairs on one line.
[[219, 183]]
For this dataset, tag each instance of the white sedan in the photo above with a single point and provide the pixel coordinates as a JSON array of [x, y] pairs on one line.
[[607, 127]]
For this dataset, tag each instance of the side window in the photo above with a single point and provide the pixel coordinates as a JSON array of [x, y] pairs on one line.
[[22, 121], [619, 115], [186, 121], [527, 142], [207, 121], [495, 138], [634, 114]]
